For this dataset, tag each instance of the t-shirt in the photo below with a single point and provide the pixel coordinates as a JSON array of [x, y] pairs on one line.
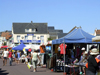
[[35, 56], [18, 55], [62, 48], [10, 54], [5, 53]]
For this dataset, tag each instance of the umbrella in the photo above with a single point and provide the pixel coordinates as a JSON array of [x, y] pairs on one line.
[[4, 46], [19, 47]]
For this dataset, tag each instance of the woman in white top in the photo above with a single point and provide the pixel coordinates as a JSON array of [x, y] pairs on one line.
[[35, 58], [5, 56]]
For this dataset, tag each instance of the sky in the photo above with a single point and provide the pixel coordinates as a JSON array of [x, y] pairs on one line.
[[62, 14]]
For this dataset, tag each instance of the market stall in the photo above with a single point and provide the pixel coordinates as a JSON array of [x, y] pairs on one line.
[[77, 36]]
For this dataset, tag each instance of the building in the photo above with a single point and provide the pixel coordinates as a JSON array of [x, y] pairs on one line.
[[5, 36], [30, 33], [34, 33], [97, 32], [2, 40], [55, 33]]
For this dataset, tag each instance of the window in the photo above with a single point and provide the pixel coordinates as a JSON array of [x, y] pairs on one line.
[[34, 30], [37, 37], [34, 37], [26, 30], [42, 37], [18, 37], [26, 37]]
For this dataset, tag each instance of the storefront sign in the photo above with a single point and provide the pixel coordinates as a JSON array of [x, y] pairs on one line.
[[30, 34], [30, 41]]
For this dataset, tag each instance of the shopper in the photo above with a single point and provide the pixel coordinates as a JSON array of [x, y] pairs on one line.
[[10, 56], [35, 58], [92, 64], [5, 55], [18, 57], [83, 55]]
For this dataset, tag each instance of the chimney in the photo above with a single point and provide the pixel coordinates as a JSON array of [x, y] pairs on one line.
[[6, 31], [31, 21]]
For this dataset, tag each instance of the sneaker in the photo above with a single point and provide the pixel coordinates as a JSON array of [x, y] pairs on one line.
[[34, 71]]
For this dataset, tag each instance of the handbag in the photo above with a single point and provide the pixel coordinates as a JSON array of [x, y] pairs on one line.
[[29, 65]]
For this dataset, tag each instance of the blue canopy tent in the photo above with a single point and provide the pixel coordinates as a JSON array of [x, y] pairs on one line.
[[19, 47], [76, 36]]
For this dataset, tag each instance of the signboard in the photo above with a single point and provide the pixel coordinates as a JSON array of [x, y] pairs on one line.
[[30, 34], [30, 41]]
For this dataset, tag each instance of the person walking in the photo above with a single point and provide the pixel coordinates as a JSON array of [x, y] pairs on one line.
[[5, 55], [10, 56], [35, 58], [15, 54], [92, 64], [18, 57]]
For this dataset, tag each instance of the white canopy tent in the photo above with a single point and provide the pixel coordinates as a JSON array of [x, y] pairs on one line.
[[96, 39], [32, 47], [12, 45]]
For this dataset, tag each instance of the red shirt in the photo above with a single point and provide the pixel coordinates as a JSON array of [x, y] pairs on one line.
[[10, 54], [62, 48]]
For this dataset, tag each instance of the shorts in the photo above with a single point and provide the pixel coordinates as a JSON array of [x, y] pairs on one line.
[[18, 58], [4, 57]]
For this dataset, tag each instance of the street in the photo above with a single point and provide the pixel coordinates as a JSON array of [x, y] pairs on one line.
[[21, 69]]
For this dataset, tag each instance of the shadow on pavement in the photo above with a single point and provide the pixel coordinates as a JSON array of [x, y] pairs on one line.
[[3, 72], [41, 71]]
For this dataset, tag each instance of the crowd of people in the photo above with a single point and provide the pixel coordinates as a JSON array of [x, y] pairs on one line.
[[87, 61], [20, 57], [92, 60]]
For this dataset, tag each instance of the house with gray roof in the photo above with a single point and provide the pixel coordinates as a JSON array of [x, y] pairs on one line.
[[55, 33], [34, 33]]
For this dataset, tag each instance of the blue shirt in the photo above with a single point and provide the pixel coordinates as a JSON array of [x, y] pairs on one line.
[[18, 54]]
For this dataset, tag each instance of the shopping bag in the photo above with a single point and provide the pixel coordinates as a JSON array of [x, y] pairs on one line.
[[29, 66], [98, 73]]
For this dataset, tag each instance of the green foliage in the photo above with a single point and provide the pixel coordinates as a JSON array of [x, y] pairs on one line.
[[5, 43], [49, 39]]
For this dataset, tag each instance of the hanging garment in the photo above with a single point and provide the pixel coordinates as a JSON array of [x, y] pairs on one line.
[[56, 48], [77, 52], [62, 46]]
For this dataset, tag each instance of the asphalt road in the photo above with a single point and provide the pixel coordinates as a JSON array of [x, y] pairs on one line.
[[21, 69]]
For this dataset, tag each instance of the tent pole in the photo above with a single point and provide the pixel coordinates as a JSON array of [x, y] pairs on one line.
[[52, 50], [64, 55]]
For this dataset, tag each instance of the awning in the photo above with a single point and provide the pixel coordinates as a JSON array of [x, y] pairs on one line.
[[96, 39]]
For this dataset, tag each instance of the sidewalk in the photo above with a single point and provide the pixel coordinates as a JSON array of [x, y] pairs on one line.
[[21, 69]]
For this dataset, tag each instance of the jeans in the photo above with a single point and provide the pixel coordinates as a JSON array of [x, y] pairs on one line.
[[90, 73], [34, 63], [42, 58], [10, 61]]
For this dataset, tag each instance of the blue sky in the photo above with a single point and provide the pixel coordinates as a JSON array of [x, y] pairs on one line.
[[62, 14]]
